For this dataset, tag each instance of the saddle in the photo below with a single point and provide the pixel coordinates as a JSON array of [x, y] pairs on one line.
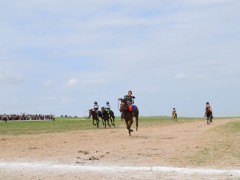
[[131, 108]]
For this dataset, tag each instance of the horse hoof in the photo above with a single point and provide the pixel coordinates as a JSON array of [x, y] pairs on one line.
[[131, 130]]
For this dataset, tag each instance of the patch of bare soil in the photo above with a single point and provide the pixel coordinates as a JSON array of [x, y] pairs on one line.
[[179, 145]]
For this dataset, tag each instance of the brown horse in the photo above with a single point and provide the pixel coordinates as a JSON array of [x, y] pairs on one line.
[[129, 115], [209, 115], [174, 116]]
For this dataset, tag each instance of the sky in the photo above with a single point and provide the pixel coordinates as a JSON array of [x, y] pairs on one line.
[[59, 56]]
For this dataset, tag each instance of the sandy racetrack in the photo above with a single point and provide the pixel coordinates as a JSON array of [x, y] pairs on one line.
[[154, 152]]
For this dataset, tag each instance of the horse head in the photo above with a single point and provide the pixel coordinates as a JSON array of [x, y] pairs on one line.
[[102, 109], [90, 112], [123, 106]]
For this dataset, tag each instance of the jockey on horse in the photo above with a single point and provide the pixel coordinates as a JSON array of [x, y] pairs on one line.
[[110, 113], [129, 111], [208, 113], [174, 114], [107, 108], [94, 110], [129, 100]]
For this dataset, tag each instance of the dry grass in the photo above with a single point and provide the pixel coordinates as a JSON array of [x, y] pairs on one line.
[[221, 149]]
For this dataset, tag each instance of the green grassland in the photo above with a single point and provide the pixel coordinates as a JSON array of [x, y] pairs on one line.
[[71, 124]]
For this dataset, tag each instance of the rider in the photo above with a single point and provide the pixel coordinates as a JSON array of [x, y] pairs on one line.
[[174, 110], [95, 108], [208, 109], [174, 113], [107, 107], [129, 99]]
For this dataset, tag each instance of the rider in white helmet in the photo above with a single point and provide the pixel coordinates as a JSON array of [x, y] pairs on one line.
[[95, 108], [107, 107]]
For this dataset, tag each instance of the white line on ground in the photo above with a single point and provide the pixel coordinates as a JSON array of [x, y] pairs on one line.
[[68, 167]]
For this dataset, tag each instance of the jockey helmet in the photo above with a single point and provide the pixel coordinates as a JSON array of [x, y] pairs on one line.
[[207, 102], [95, 102], [107, 102]]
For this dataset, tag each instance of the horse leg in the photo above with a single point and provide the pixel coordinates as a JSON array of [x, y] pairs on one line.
[[108, 123], [208, 120], [129, 132], [113, 121], [97, 122], [103, 122], [122, 117], [93, 122], [136, 123], [129, 128], [130, 122], [211, 117], [126, 121]]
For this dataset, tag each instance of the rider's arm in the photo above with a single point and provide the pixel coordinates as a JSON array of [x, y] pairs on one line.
[[133, 97]]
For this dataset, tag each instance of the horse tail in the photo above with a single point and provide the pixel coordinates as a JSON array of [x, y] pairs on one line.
[[112, 113]]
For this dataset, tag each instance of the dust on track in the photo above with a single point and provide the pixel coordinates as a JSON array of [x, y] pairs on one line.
[[151, 146]]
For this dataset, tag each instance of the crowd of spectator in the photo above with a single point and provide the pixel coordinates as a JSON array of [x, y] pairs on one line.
[[4, 117]]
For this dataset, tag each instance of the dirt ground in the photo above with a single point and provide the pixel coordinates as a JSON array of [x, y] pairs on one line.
[[171, 151]]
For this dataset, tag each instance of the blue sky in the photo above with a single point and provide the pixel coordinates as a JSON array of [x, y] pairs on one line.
[[60, 56]]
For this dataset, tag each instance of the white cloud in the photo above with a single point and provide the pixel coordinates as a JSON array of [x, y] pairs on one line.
[[181, 76], [78, 82], [11, 79], [72, 82]]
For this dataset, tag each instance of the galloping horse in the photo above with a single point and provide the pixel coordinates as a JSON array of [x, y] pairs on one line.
[[209, 115], [95, 117], [128, 115], [105, 117], [174, 116], [112, 117]]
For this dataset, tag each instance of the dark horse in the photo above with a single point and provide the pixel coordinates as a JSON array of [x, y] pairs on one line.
[[209, 115], [129, 115], [95, 117], [112, 117], [105, 117]]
